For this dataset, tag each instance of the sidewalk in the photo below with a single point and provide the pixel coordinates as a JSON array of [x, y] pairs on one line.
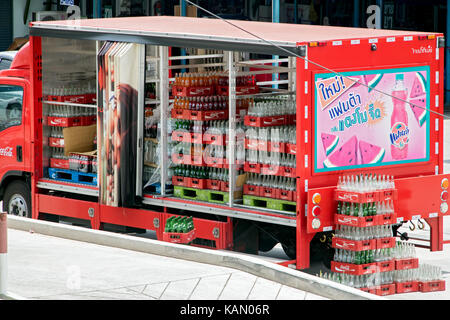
[[102, 266]]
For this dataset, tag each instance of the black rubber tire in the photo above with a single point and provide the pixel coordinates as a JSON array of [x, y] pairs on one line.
[[18, 190]]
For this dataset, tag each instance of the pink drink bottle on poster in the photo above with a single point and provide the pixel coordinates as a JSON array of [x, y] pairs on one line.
[[399, 120]]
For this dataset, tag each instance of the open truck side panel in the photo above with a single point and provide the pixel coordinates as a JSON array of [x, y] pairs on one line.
[[348, 51]]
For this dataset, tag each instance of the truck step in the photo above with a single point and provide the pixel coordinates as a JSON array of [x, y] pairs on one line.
[[269, 203], [201, 194], [72, 176]]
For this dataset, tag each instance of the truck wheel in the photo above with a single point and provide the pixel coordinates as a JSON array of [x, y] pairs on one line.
[[290, 250], [17, 199]]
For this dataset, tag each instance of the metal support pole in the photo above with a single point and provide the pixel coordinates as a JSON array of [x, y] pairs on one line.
[[275, 19], [231, 127], [447, 55], [164, 107], [3, 253]]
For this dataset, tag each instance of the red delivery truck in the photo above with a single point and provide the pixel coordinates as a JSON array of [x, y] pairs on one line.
[[104, 121]]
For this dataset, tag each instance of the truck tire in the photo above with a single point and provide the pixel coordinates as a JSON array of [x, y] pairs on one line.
[[17, 199]]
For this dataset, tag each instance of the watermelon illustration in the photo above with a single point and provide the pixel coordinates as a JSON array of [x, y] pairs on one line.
[[419, 86], [370, 153], [372, 80], [346, 155], [419, 108], [329, 141]]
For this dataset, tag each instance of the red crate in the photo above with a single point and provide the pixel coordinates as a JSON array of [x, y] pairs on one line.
[[388, 195], [224, 90], [356, 197], [56, 142], [253, 167], [384, 266], [405, 287], [181, 181], [213, 115], [388, 218], [355, 221], [59, 163], [277, 147], [267, 192], [181, 158], [291, 119], [215, 162], [285, 195], [353, 245], [181, 91], [197, 160], [384, 243], [182, 136], [291, 148], [64, 122], [214, 139], [176, 237], [385, 290], [213, 184], [252, 190], [251, 144], [404, 264], [431, 286], [269, 121], [198, 183], [354, 269], [180, 114]]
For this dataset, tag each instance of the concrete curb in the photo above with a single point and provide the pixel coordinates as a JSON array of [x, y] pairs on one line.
[[258, 267]]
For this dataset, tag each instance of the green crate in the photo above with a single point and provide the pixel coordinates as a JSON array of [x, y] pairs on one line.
[[201, 194], [269, 203]]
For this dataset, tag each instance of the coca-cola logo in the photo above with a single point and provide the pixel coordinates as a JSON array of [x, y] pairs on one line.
[[422, 49], [6, 152]]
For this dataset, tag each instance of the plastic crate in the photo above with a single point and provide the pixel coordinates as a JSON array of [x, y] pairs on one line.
[[405, 287], [355, 221], [353, 245], [181, 91], [385, 290], [384, 243], [384, 266], [431, 286], [404, 264], [354, 269], [177, 237]]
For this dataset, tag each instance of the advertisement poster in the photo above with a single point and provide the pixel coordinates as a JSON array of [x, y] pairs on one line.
[[119, 71], [359, 126]]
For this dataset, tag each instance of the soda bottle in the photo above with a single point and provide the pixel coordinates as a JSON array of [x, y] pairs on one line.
[[338, 210], [168, 224], [399, 120]]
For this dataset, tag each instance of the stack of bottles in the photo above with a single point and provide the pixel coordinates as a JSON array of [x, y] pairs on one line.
[[272, 108], [364, 256], [212, 78], [258, 138], [365, 183], [365, 209], [179, 224]]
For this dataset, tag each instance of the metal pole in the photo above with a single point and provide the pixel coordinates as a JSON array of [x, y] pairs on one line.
[[164, 102], [3, 253], [275, 19], [231, 126]]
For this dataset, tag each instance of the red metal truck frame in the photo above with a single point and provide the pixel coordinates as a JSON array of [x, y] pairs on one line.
[[340, 55]]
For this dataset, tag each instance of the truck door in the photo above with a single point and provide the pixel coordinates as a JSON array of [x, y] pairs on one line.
[[12, 132]]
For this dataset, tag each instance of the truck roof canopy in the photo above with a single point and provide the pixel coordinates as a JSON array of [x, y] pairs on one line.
[[205, 32]]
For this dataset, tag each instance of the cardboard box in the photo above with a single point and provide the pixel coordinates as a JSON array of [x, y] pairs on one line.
[[79, 139]]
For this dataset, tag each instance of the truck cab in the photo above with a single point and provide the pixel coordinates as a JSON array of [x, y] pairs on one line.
[[15, 137]]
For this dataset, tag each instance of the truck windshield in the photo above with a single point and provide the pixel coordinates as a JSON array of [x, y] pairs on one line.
[[11, 99]]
